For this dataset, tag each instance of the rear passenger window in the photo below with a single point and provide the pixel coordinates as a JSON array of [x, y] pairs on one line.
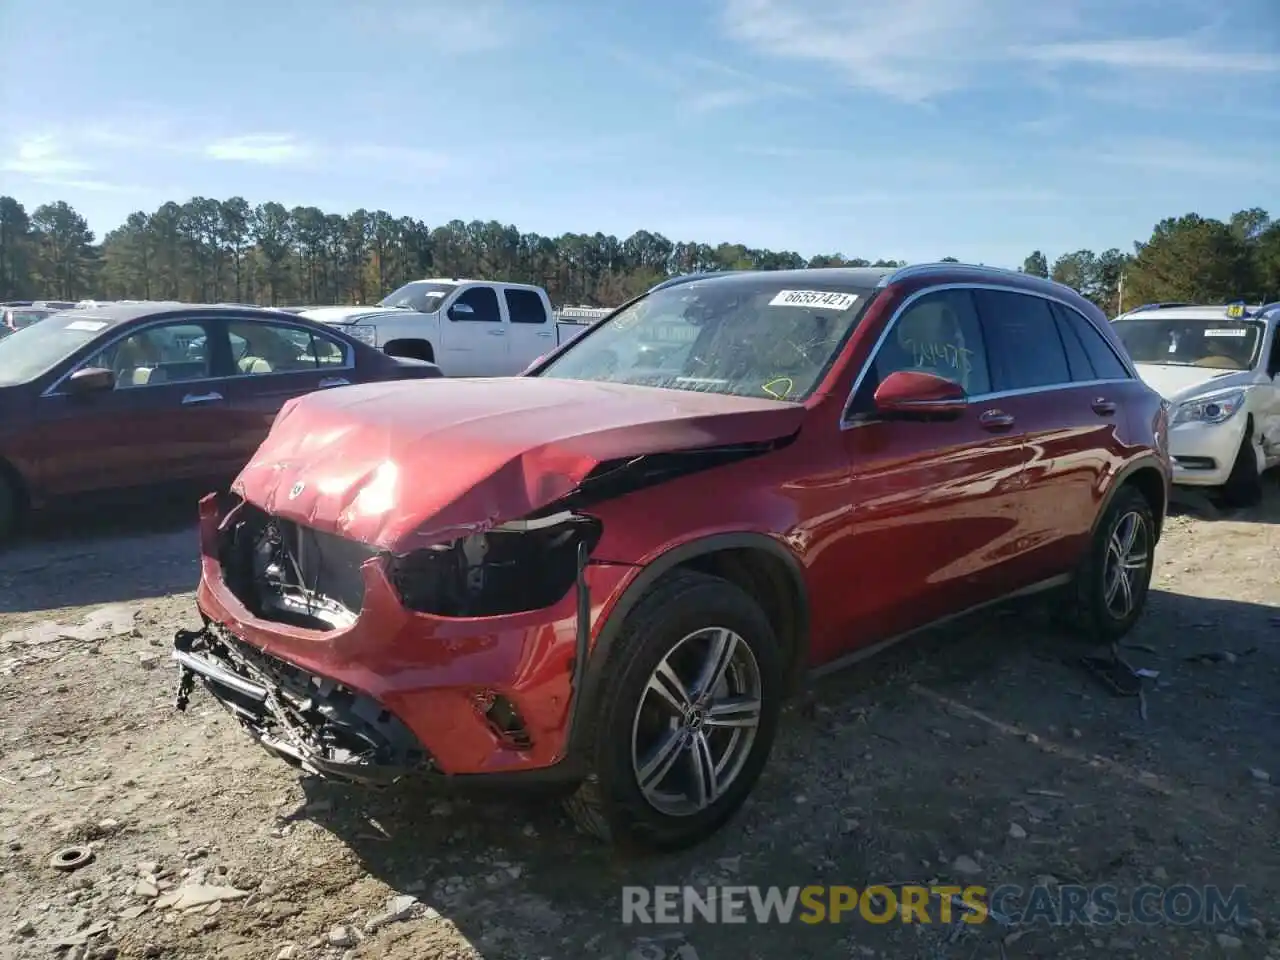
[[1103, 360], [525, 306], [1077, 359], [1022, 340]]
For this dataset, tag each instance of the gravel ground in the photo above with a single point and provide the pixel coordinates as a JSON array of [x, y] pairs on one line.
[[981, 753]]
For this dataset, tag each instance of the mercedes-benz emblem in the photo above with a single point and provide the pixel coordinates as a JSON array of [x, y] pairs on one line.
[[296, 490]]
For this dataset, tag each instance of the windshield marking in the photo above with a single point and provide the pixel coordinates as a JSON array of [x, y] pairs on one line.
[[88, 326], [1224, 332], [813, 298]]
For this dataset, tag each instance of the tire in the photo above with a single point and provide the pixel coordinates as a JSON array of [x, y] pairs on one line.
[[1244, 485], [675, 619], [1096, 613], [10, 508]]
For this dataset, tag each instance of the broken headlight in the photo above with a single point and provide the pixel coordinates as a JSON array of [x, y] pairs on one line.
[[518, 566]]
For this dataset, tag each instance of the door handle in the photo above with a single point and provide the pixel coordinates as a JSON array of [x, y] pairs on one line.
[[544, 333], [497, 333], [193, 398], [334, 382], [996, 420], [1104, 407]]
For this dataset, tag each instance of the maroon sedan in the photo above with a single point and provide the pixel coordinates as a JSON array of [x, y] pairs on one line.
[[127, 398]]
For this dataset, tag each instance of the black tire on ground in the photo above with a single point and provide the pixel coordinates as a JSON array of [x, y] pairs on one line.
[[1091, 613], [10, 507], [610, 804], [1244, 486]]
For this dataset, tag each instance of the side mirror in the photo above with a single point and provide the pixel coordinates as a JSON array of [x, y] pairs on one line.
[[461, 311], [913, 394], [91, 380]]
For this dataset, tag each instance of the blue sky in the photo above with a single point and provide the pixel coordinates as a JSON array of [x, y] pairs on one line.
[[979, 129]]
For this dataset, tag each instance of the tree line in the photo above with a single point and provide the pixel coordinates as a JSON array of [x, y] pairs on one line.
[[208, 250]]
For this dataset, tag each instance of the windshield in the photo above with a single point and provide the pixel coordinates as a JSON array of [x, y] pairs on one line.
[[1213, 343], [37, 349], [421, 295], [25, 318], [751, 335]]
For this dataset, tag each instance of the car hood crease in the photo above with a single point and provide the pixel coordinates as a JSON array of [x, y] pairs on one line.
[[409, 464]]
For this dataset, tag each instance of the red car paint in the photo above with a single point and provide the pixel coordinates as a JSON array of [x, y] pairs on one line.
[[894, 526]]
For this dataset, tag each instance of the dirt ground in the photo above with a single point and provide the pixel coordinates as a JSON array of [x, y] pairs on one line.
[[981, 753]]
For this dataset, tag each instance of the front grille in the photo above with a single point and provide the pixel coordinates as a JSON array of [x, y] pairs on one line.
[[286, 571]]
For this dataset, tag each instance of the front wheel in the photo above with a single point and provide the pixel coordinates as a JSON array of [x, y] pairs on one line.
[[1244, 486], [687, 716], [1112, 583]]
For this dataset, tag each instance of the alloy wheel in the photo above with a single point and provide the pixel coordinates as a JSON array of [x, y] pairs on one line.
[[696, 722], [1128, 556]]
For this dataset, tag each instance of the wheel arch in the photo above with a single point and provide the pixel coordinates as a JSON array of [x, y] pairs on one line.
[[21, 490], [1144, 474], [420, 347], [756, 562]]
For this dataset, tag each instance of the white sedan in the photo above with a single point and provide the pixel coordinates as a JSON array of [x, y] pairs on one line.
[[1219, 368]]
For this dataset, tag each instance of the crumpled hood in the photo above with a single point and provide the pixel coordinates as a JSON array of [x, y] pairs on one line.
[[1176, 382], [400, 465]]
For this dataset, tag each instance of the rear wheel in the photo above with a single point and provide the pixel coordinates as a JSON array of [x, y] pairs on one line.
[[686, 718], [1112, 583], [1244, 486], [10, 507]]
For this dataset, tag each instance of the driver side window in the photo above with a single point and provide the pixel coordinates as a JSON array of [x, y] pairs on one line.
[[164, 353], [940, 334], [483, 302]]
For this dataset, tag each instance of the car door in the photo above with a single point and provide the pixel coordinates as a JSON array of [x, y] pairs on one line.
[[475, 335], [933, 501], [1268, 402], [1068, 415], [158, 425], [270, 363], [532, 332]]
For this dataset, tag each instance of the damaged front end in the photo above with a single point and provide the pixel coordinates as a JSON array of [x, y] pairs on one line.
[[314, 723]]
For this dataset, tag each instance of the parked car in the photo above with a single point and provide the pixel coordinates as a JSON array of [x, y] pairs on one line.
[[1219, 368], [609, 574], [15, 318], [470, 328], [123, 399]]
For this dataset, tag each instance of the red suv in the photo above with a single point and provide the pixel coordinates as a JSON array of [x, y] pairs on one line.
[[610, 571]]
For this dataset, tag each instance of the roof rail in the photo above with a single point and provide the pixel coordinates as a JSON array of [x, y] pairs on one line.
[[1161, 306], [944, 266], [690, 277]]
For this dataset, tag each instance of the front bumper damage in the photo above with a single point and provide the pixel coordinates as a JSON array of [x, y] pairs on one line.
[[313, 723], [386, 692]]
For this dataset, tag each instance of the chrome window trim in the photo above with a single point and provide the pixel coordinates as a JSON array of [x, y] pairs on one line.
[[845, 418], [348, 352]]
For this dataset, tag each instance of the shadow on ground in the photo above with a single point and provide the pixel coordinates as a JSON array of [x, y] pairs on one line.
[[122, 554], [888, 774]]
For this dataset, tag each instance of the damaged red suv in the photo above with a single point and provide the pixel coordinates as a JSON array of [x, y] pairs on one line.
[[608, 573]]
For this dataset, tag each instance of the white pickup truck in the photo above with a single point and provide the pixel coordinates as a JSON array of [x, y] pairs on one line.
[[468, 328]]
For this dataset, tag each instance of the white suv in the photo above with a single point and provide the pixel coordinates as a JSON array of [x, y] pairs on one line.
[[1219, 368]]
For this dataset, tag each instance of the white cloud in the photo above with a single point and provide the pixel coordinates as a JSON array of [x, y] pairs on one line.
[[43, 156], [1177, 54], [1239, 164], [264, 148], [916, 50], [453, 27]]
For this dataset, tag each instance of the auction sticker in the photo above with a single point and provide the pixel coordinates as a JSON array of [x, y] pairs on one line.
[[89, 326], [1226, 332], [814, 298]]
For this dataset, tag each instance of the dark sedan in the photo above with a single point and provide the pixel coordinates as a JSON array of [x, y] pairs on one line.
[[123, 399]]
